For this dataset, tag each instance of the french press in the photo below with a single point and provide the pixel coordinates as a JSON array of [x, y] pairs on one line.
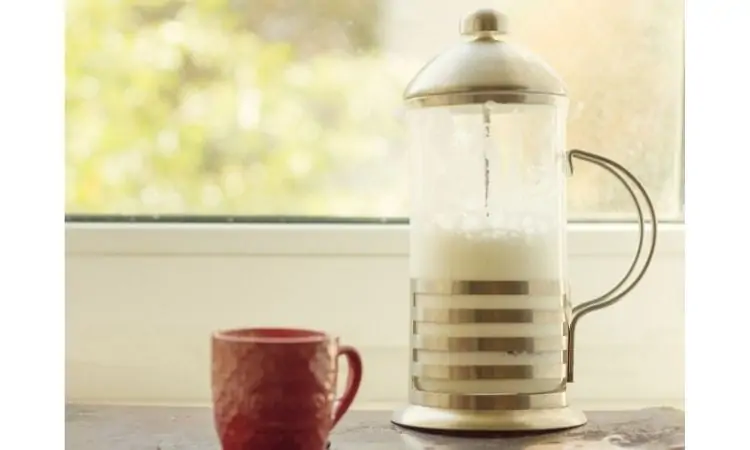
[[492, 325]]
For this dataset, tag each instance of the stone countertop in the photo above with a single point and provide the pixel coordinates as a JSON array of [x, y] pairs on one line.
[[172, 428]]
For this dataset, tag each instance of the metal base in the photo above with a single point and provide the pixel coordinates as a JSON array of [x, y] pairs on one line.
[[434, 419]]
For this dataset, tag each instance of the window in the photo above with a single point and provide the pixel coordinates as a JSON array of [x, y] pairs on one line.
[[205, 112], [271, 108]]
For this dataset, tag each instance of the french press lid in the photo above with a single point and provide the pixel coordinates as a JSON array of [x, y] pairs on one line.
[[484, 68]]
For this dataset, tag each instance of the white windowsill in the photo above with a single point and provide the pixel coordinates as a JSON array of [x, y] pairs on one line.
[[317, 239], [142, 299]]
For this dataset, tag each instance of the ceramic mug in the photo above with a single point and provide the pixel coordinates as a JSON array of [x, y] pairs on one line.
[[274, 388]]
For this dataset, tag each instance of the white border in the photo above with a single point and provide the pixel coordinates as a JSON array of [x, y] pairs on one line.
[[31, 239], [717, 271]]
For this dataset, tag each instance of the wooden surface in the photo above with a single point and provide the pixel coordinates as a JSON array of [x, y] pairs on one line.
[[168, 428]]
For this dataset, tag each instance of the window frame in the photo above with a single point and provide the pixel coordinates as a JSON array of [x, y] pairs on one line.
[[305, 239]]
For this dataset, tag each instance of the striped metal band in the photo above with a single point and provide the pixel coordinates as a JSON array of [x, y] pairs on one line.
[[469, 287], [488, 402], [495, 372], [457, 316], [489, 344]]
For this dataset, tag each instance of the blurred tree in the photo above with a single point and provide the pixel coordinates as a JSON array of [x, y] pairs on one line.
[[226, 107]]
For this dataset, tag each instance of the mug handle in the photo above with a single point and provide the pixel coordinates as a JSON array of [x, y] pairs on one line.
[[620, 289], [353, 380]]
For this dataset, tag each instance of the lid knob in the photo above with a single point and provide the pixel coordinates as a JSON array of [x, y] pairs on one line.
[[484, 22]]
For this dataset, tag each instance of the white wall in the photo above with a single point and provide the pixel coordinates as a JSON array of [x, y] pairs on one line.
[[142, 301]]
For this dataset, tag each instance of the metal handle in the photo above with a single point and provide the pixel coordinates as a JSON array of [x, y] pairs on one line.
[[621, 289]]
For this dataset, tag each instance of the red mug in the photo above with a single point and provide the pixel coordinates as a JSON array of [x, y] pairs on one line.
[[274, 388]]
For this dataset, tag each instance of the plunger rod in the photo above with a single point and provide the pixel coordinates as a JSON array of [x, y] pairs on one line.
[[487, 144]]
